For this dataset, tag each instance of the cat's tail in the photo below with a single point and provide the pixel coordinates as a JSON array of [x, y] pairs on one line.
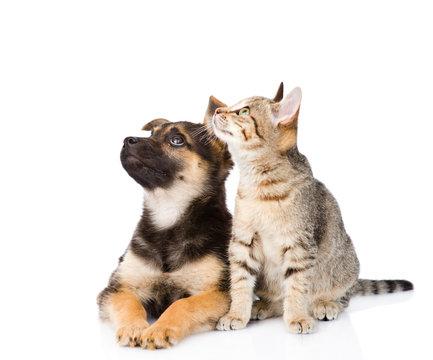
[[376, 287]]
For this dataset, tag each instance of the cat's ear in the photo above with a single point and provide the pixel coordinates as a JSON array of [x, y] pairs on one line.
[[286, 112], [214, 104], [151, 124], [280, 93]]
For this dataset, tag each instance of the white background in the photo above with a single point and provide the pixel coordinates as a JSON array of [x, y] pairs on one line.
[[76, 77]]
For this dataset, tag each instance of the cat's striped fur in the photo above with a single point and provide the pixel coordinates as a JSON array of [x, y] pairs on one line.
[[289, 245]]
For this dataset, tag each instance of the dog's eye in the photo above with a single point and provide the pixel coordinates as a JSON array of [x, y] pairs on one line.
[[244, 111], [177, 140]]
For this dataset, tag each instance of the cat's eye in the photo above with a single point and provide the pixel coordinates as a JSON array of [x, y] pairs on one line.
[[177, 140], [244, 111]]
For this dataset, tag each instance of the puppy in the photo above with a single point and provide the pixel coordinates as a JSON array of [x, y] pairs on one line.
[[176, 265]]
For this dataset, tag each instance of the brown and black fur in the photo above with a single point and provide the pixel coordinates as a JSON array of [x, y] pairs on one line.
[[176, 270]]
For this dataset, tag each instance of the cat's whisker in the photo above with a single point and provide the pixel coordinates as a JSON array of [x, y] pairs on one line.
[[198, 130], [212, 139]]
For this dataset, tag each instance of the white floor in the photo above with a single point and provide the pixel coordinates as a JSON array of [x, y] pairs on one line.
[[374, 327], [357, 334]]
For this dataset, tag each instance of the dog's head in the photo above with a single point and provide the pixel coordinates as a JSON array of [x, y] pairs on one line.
[[175, 153]]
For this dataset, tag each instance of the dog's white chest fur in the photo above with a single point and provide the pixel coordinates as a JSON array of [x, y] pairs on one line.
[[166, 206], [166, 209]]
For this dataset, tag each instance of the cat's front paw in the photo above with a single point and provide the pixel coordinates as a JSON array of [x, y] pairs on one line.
[[302, 325], [231, 322], [160, 337], [130, 335]]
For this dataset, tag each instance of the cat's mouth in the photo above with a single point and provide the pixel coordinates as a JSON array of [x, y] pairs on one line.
[[219, 124]]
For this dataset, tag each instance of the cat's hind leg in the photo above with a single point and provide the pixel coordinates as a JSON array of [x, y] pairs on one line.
[[326, 309], [264, 309]]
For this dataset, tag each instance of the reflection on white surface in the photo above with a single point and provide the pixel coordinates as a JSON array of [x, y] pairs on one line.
[[358, 333], [260, 340]]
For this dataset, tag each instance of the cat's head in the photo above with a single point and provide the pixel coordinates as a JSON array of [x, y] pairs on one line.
[[256, 122]]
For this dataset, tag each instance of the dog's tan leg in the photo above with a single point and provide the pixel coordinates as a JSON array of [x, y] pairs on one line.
[[185, 316], [129, 317]]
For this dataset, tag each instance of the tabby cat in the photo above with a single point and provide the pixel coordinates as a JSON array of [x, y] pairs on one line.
[[289, 246]]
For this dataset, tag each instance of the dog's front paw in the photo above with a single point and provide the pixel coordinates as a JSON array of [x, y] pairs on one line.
[[130, 335], [232, 322], [160, 337], [302, 325]]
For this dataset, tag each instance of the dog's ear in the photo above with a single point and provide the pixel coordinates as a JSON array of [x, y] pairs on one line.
[[225, 159], [151, 124], [214, 104]]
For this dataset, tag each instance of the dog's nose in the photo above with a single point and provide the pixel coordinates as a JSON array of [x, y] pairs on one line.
[[130, 141]]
